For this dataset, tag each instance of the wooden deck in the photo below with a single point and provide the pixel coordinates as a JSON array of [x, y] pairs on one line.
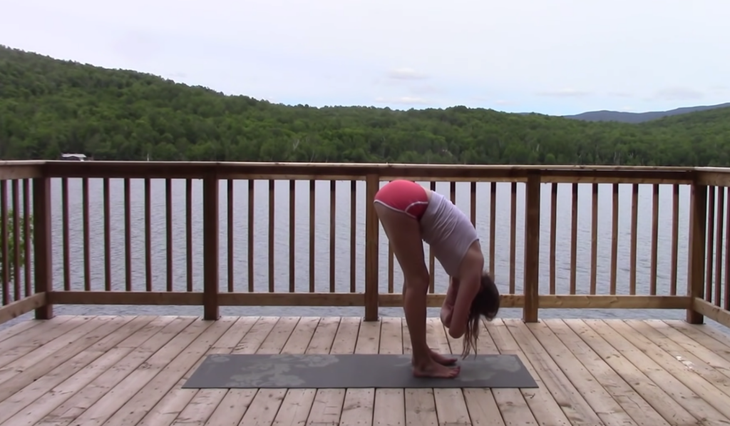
[[129, 371]]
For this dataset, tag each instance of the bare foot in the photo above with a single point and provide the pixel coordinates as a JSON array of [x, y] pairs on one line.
[[441, 359], [436, 370]]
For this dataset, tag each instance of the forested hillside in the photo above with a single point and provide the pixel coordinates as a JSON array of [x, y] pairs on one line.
[[49, 106]]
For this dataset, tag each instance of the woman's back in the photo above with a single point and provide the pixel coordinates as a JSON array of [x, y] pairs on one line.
[[448, 231]]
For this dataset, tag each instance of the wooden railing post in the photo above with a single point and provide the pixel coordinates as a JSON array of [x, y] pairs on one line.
[[211, 267], [371, 249], [42, 243], [696, 252], [532, 247]]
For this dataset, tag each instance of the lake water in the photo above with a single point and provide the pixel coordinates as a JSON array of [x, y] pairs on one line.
[[342, 237]]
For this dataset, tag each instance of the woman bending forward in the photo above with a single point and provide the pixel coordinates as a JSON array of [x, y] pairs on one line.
[[410, 215]]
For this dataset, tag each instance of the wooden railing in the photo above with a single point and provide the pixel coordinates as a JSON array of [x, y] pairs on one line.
[[102, 233], [25, 267], [709, 258]]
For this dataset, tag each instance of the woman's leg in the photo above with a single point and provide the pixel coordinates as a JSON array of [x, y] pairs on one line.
[[405, 236]]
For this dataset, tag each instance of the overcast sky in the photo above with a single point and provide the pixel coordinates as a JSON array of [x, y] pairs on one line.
[[548, 56]]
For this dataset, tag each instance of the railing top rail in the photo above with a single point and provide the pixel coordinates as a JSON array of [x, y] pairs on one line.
[[21, 169], [379, 166], [385, 165], [712, 169], [27, 163], [373, 166], [349, 171]]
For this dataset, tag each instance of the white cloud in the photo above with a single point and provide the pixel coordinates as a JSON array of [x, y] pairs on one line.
[[405, 74], [620, 94], [678, 94], [567, 92], [425, 89]]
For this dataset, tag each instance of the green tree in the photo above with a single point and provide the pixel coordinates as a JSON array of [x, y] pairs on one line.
[[49, 106], [11, 243]]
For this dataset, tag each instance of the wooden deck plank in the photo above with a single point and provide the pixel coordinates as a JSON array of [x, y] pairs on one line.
[[83, 394], [24, 332], [557, 383], [420, 406], [635, 375], [640, 411], [97, 357], [660, 374], [324, 335], [297, 403], [707, 339], [389, 404], [141, 346], [124, 371], [196, 406], [265, 404], [450, 404], [144, 388], [716, 335], [41, 361], [235, 402], [327, 405], [600, 401], [716, 375], [110, 391], [358, 404], [84, 380], [481, 406], [23, 344], [15, 329], [299, 400], [526, 406], [694, 382], [707, 356]]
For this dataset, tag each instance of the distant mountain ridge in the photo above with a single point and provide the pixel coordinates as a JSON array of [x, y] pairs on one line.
[[639, 117]]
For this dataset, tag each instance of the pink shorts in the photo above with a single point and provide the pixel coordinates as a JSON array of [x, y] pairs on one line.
[[404, 196]]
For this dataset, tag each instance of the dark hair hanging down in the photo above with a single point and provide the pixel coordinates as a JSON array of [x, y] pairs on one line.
[[485, 303]]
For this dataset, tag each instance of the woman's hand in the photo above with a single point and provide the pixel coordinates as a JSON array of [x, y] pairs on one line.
[[446, 312], [447, 309], [466, 291]]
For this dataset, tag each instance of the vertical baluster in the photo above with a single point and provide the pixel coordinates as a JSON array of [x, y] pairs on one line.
[[634, 224], [107, 238], [512, 237], [573, 238], [614, 239], [127, 235], [353, 236], [272, 257], [553, 233], [168, 223], [675, 240], [594, 238], [292, 232], [333, 205], [231, 226]]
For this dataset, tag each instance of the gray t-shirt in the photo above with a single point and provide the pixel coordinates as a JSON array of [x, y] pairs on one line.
[[448, 231]]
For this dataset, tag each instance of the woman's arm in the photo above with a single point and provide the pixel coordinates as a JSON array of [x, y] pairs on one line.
[[462, 303], [447, 308], [446, 313], [452, 291]]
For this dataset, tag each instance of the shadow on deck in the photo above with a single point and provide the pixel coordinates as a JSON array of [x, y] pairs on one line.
[[74, 370]]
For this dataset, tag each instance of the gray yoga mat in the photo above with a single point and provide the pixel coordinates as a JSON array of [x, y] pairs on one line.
[[351, 371]]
